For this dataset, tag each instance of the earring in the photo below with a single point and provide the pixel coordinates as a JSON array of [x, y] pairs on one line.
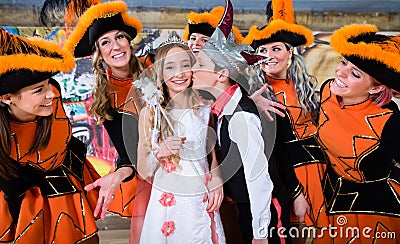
[[372, 91]]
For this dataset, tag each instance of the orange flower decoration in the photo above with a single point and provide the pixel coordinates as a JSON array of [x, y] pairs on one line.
[[168, 228], [168, 165], [167, 199]]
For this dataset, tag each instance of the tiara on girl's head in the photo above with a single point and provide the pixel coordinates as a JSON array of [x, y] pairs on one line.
[[173, 38]]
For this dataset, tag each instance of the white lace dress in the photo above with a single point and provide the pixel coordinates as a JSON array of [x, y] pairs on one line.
[[176, 212]]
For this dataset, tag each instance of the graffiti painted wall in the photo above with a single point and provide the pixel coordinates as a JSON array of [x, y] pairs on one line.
[[77, 85]]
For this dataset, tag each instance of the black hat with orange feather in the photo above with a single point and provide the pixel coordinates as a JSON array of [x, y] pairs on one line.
[[25, 62], [205, 23], [376, 54], [222, 49], [282, 27], [97, 19]]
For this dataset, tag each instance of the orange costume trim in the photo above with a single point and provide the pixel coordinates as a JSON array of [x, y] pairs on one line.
[[62, 216], [125, 100], [282, 27], [308, 173], [387, 54], [124, 96], [301, 123], [276, 26], [359, 188], [61, 62]]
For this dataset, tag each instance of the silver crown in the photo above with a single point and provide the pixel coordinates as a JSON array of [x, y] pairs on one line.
[[172, 39]]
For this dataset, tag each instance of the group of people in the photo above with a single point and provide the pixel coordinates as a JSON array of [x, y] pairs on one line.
[[216, 122]]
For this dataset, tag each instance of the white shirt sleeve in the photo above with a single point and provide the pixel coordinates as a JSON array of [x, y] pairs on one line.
[[245, 130]]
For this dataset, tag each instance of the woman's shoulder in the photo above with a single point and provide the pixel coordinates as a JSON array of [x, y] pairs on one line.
[[326, 84], [56, 87], [393, 107], [324, 90]]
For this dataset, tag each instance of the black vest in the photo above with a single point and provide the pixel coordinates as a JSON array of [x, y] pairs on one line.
[[232, 166]]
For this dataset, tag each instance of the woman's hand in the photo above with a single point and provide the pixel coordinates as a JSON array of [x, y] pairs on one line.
[[108, 184], [301, 207], [215, 193], [170, 146], [266, 105]]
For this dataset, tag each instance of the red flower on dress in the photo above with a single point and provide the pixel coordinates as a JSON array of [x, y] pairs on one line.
[[168, 165], [168, 228], [167, 199]]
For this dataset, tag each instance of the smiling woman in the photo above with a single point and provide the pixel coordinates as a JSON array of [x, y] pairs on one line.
[[43, 168], [31, 102], [105, 31], [358, 129], [285, 72], [115, 49]]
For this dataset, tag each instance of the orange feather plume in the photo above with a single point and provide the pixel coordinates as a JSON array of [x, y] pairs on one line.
[[283, 9]]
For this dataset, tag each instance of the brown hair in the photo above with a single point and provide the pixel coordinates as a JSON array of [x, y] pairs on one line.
[[101, 98], [8, 167], [383, 97]]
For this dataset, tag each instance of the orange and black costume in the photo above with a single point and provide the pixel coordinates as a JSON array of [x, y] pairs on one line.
[[307, 158], [123, 131], [44, 201], [362, 180], [125, 106], [47, 204], [300, 151]]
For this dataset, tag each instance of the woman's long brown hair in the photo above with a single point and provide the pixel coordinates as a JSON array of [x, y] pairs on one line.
[[101, 98], [8, 167]]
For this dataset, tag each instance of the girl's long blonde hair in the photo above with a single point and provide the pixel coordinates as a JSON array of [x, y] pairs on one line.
[[101, 99], [194, 98]]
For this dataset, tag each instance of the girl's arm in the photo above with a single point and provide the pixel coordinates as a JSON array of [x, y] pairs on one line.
[[147, 159], [214, 184]]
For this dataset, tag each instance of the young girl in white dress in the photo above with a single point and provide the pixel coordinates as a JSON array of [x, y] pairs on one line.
[[173, 136]]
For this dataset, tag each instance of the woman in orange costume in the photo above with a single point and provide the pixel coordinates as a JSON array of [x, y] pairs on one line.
[[43, 167], [286, 74], [359, 129], [105, 31]]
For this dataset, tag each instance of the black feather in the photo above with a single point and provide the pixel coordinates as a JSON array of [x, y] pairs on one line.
[[268, 11], [53, 10]]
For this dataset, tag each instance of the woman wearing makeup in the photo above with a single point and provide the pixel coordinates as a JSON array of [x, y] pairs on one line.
[[285, 72], [43, 168], [105, 31], [358, 129]]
